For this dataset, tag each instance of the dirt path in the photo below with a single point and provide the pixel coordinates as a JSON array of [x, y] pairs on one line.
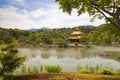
[[66, 76]]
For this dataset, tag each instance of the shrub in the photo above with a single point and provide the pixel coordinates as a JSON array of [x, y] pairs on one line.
[[118, 72], [85, 71], [92, 70], [105, 71], [35, 69], [23, 69], [30, 70], [97, 67], [41, 68], [9, 60], [53, 69], [16, 72]]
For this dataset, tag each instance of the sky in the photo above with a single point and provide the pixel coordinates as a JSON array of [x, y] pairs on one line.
[[27, 14]]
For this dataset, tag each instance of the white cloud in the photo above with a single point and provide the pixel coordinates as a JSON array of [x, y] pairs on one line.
[[11, 17], [53, 17], [38, 13]]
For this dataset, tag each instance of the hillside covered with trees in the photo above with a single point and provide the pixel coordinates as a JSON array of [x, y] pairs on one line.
[[105, 35], [38, 37], [102, 35]]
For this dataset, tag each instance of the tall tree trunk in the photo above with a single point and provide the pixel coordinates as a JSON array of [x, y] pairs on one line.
[[117, 20]]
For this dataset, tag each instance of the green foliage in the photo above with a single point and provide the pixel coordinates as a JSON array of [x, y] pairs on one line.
[[16, 72], [76, 44], [84, 39], [57, 37], [92, 70], [53, 69], [7, 39], [41, 68], [28, 70], [96, 69], [95, 8], [9, 36], [85, 28], [105, 35], [118, 72], [9, 60], [23, 69], [32, 70], [61, 42], [85, 71], [106, 71], [36, 69]]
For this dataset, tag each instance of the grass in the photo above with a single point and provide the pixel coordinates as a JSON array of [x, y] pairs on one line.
[[53, 72], [97, 70], [53, 69], [106, 71], [66, 76], [85, 71], [28, 70], [57, 69], [37, 69]]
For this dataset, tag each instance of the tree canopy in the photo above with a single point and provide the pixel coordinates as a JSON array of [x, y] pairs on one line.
[[108, 9], [104, 35], [9, 61]]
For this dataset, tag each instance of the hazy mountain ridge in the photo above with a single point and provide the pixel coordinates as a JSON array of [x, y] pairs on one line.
[[36, 29]]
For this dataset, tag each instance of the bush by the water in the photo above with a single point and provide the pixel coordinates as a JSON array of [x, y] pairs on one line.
[[53, 69], [97, 69], [106, 71], [57, 69], [29, 70], [85, 71]]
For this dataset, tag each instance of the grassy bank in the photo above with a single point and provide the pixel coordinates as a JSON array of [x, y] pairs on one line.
[[66, 76]]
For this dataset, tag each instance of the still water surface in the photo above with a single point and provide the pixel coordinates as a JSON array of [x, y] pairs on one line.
[[70, 58]]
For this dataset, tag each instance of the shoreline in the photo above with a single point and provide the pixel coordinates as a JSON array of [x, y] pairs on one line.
[[66, 76]]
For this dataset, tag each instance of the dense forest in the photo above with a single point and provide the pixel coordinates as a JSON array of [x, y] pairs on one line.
[[102, 35], [106, 35]]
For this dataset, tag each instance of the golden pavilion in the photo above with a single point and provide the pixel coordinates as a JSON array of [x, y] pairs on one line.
[[76, 35]]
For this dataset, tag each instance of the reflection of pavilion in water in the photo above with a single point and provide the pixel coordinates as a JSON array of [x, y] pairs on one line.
[[76, 53], [62, 53]]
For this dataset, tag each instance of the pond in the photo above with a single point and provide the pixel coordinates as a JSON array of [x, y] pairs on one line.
[[70, 58]]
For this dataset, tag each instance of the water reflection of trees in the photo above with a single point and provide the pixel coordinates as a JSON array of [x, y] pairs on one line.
[[45, 55], [109, 55], [118, 58], [60, 53], [75, 53]]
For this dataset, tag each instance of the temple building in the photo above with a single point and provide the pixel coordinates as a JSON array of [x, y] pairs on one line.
[[76, 35]]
